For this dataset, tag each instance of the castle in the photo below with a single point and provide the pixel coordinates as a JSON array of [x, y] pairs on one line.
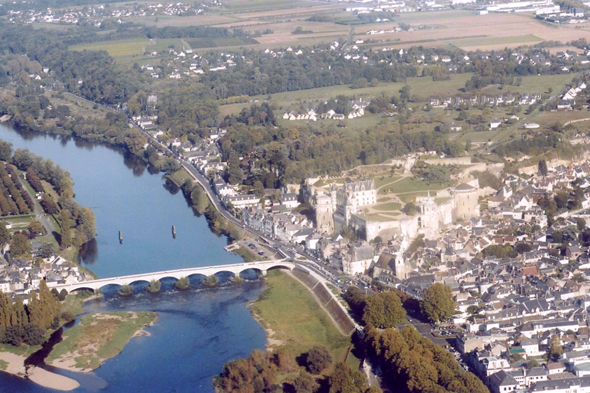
[[335, 209], [342, 206]]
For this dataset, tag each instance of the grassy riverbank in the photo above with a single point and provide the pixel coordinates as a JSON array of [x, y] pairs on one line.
[[98, 337], [293, 319]]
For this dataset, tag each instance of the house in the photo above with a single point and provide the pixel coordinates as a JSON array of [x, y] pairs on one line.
[[289, 200], [502, 382], [495, 124], [241, 201]]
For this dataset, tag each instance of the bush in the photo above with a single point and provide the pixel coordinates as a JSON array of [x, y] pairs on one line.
[[318, 359], [67, 316], [33, 334], [182, 284]]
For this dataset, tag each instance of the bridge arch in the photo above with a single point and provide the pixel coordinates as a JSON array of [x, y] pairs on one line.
[[274, 267], [81, 289]]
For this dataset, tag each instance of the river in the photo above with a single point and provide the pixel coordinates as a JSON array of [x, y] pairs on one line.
[[198, 330]]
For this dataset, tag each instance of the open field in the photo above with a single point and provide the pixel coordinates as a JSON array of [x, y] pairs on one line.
[[478, 137], [465, 29], [291, 312], [533, 84], [127, 48], [522, 39], [561, 117]]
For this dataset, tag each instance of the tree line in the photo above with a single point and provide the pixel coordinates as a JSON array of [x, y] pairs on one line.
[[28, 324], [280, 371], [414, 364], [78, 224]]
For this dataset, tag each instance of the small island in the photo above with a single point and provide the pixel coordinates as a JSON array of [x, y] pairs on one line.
[[97, 338]]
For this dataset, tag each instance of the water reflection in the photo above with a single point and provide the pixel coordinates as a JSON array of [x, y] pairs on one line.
[[171, 187], [88, 253]]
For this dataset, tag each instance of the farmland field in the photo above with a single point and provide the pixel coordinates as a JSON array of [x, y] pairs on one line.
[[521, 39]]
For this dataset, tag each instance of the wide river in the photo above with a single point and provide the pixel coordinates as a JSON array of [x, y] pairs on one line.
[[198, 330]]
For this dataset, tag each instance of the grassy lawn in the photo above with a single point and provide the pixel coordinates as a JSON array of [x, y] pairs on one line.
[[381, 218], [3, 365], [388, 207], [24, 350], [99, 337], [482, 136], [180, 176], [291, 311], [383, 180], [410, 184]]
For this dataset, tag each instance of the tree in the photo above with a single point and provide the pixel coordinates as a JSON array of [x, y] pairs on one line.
[[383, 310], [438, 304], [581, 224], [318, 359], [410, 208], [346, 380], [66, 228], [35, 228], [67, 316], [19, 246], [33, 334], [49, 206], [531, 364], [47, 250], [555, 348], [234, 172], [543, 167], [258, 188], [305, 383], [4, 235], [5, 151]]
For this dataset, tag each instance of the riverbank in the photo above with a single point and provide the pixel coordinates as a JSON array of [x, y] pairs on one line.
[[13, 363], [98, 337], [294, 320]]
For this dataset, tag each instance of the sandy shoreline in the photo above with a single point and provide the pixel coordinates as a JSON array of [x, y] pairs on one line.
[[16, 366], [271, 341]]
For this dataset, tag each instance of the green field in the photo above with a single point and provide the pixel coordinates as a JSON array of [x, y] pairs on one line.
[[290, 310], [411, 185], [383, 180], [127, 48], [484, 41], [386, 207], [381, 218], [534, 84], [200, 43], [477, 137], [422, 87]]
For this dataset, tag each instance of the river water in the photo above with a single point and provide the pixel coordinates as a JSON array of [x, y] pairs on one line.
[[198, 330]]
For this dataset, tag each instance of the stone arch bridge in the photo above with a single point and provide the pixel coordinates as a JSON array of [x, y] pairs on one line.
[[237, 268]]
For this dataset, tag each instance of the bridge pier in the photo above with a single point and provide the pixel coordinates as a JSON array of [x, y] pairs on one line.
[[263, 273]]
